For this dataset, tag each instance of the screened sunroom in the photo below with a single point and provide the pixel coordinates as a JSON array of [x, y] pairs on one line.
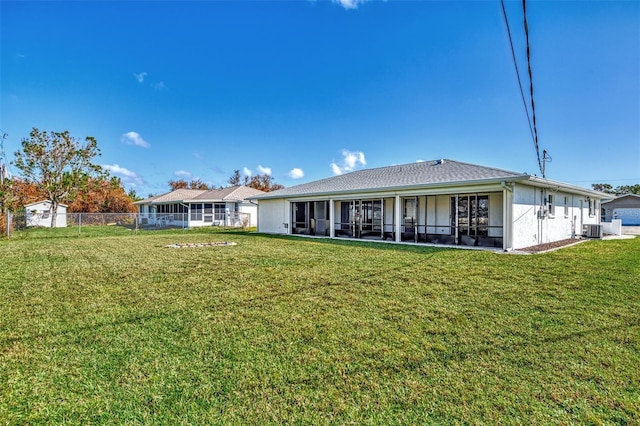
[[456, 219]]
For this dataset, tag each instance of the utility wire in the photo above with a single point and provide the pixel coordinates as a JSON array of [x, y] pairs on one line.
[[533, 105], [515, 63]]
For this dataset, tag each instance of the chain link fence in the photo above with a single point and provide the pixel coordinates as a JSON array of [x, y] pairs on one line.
[[11, 223]]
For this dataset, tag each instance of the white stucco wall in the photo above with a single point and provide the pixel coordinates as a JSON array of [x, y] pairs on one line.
[[533, 224], [252, 209], [438, 214], [272, 216]]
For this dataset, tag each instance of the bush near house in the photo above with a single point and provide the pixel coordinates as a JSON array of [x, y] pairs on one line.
[[119, 329]]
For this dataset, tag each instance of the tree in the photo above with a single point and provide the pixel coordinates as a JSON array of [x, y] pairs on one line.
[[178, 184], [628, 189], [183, 184], [618, 190], [103, 196], [58, 164], [602, 187], [236, 179], [264, 183], [198, 184], [134, 196]]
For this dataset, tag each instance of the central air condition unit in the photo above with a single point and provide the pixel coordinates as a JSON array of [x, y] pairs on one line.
[[592, 231]]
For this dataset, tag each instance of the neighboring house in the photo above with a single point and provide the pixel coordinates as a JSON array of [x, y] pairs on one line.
[[624, 207], [39, 214], [437, 202], [188, 208]]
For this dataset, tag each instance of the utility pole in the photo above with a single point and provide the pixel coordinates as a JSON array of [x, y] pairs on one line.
[[546, 158], [3, 192], [3, 168]]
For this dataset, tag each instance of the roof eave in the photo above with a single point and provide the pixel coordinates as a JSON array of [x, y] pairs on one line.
[[398, 188], [548, 183]]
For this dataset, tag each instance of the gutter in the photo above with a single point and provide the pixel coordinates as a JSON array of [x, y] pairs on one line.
[[417, 186]]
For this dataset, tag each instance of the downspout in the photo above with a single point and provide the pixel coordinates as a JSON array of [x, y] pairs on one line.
[[506, 186], [257, 215], [507, 223]]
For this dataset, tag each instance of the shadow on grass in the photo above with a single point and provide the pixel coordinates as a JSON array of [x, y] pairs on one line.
[[125, 231], [373, 244]]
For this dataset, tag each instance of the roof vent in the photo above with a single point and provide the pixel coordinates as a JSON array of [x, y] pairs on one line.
[[438, 162]]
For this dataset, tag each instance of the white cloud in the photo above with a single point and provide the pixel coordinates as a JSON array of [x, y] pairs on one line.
[[128, 177], [247, 172], [349, 4], [183, 174], [160, 86], [350, 161], [140, 77], [264, 170], [133, 138], [296, 173]]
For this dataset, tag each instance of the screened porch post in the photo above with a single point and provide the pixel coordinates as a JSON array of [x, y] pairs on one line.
[[397, 214], [332, 225]]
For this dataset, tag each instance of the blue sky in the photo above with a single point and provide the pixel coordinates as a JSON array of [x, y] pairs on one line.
[[307, 89]]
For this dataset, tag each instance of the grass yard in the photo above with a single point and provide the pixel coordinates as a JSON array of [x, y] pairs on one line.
[[116, 328]]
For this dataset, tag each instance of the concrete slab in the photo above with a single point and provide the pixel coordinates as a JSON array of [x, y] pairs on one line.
[[631, 230]]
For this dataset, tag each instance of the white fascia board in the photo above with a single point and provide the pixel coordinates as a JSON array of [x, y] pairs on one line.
[[432, 188], [557, 186]]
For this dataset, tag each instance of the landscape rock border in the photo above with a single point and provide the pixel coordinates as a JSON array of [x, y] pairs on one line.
[[194, 245]]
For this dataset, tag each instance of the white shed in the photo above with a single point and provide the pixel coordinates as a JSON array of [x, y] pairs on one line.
[[39, 214]]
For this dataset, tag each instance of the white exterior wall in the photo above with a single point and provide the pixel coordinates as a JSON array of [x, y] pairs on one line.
[[251, 209], [496, 215], [388, 213], [273, 215], [532, 223], [438, 214]]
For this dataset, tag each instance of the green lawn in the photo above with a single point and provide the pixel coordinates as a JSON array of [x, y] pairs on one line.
[[116, 328]]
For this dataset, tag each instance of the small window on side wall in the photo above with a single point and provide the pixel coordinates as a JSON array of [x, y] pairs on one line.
[[566, 206], [551, 206]]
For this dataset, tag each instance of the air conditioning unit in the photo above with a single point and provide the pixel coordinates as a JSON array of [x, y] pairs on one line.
[[592, 231]]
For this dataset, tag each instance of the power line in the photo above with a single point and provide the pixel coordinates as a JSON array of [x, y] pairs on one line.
[[515, 63], [531, 118], [533, 105]]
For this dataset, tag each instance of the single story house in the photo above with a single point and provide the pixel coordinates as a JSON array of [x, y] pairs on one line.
[[624, 207], [39, 214], [436, 202], [187, 208]]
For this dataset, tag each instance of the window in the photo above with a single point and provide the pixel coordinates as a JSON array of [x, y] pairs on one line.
[[551, 206], [219, 211], [196, 211], [208, 213], [592, 205], [566, 206]]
